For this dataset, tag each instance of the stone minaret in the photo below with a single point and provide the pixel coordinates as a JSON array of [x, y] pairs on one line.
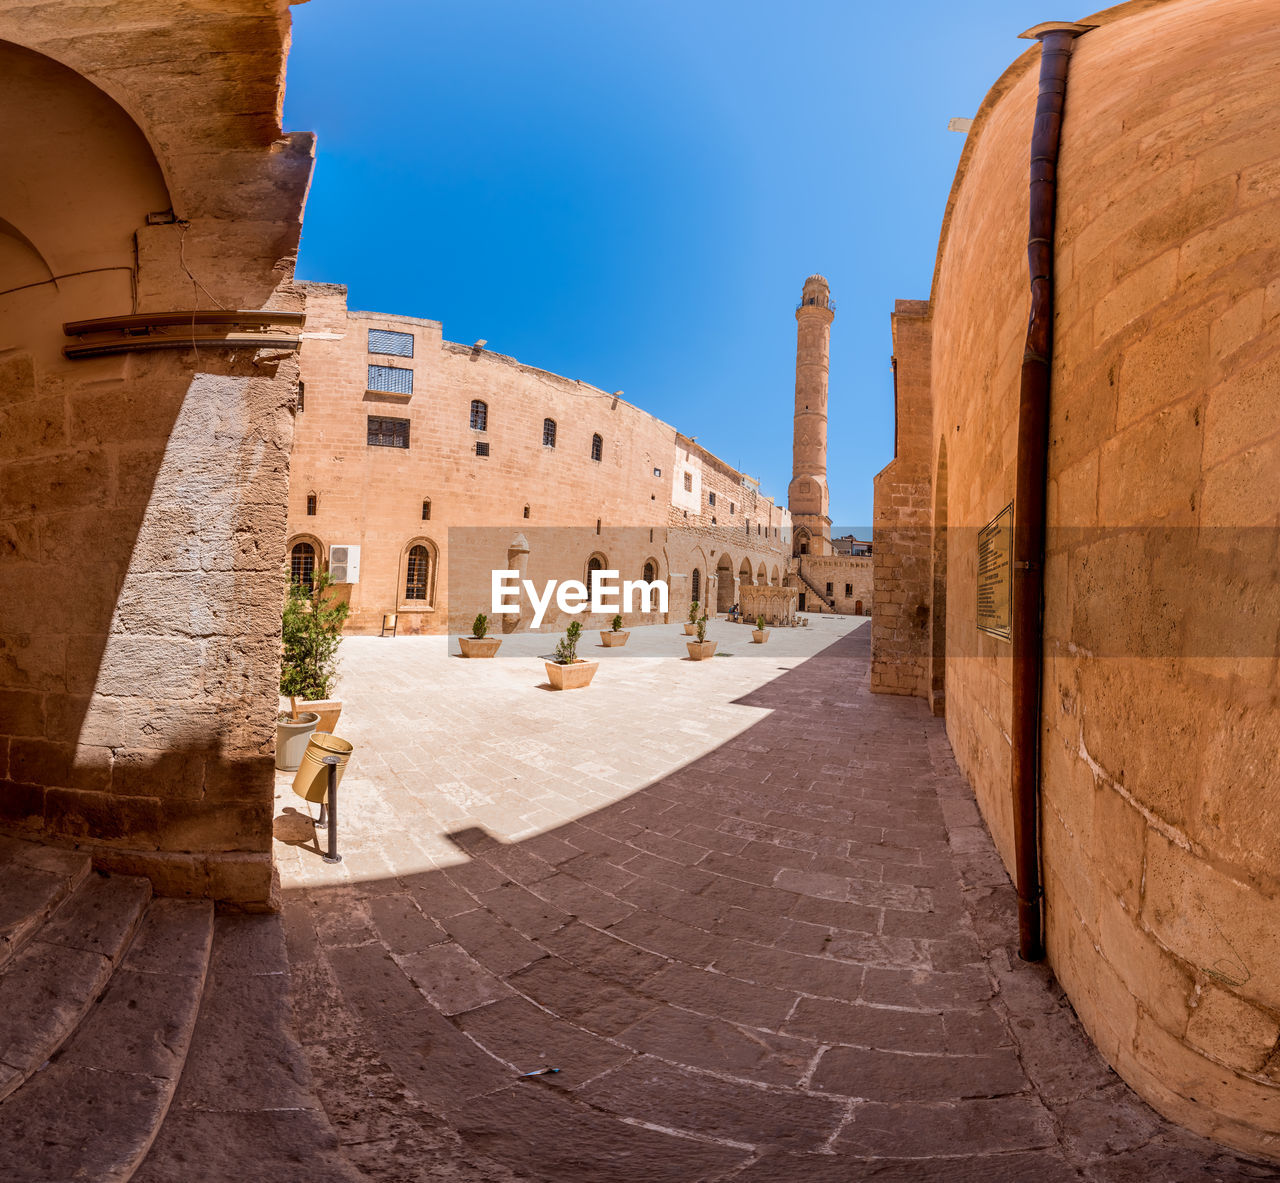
[[807, 495]]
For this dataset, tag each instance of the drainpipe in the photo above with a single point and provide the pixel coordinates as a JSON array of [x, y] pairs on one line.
[[1056, 42]]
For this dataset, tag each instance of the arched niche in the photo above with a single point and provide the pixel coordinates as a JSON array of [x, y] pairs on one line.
[[78, 182]]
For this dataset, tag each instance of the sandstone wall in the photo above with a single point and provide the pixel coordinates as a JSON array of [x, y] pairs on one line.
[[901, 526], [142, 495], [628, 508], [1161, 848]]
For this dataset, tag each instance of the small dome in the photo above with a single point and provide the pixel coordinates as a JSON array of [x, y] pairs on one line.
[[822, 279]]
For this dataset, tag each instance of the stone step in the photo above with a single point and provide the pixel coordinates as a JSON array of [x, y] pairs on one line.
[[34, 880], [95, 1110], [49, 986], [246, 1107]]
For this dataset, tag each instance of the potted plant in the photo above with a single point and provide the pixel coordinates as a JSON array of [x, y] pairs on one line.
[[692, 626], [479, 644], [701, 649], [615, 635], [760, 634], [569, 671], [312, 631]]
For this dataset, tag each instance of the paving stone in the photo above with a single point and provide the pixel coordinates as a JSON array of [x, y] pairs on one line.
[[899, 1076], [650, 1090], [450, 980], [495, 945], [401, 925], [954, 1127], [100, 915], [878, 1027]]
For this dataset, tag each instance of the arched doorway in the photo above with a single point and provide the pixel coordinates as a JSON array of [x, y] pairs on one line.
[[724, 584], [744, 574]]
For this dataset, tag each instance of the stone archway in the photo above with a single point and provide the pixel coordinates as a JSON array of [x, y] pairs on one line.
[[725, 587]]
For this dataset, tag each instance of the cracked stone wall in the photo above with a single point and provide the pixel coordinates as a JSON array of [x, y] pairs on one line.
[[142, 495], [1161, 819]]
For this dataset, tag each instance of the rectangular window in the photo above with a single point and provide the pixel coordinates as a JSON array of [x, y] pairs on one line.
[[482, 447], [848, 589], [388, 433], [828, 589], [387, 341], [731, 507], [688, 482], [711, 499], [302, 396], [390, 379], [657, 472]]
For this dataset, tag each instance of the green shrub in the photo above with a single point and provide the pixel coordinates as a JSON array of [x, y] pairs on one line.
[[617, 624], [702, 629], [567, 650], [693, 612], [480, 626], [760, 623], [312, 633]]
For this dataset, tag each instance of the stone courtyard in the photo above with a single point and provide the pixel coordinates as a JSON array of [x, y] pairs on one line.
[[747, 909]]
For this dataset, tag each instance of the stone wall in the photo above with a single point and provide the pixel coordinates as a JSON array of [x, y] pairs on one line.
[[901, 545], [142, 495], [628, 508], [849, 576], [1161, 706]]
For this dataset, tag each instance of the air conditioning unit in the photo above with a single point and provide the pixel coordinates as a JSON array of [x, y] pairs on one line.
[[344, 564]]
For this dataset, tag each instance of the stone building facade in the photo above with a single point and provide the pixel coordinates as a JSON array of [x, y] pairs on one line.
[[443, 461], [1159, 834], [143, 479]]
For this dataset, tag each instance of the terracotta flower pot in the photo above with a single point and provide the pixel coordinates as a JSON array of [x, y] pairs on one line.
[[759, 636], [611, 638], [571, 677], [701, 650], [690, 630], [479, 646]]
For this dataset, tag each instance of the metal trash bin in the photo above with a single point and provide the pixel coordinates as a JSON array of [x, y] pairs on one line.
[[312, 779]]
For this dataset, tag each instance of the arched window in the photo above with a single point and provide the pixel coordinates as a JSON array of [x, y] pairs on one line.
[[594, 563], [650, 572], [479, 415], [597, 447], [526, 511], [415, 582], [426, 509], [697, 586], [548, 433], [311, 505], [302, 564]]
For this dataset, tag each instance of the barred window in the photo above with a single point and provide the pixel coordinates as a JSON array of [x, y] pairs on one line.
[[388, 341], [302, 564], [697, 586], [650, 573], [388, 433], [415, 583], [548, 433], [426, 509], [479, 415], [688, 482], [311, 505], [597, 447], [711, 499], [390, 379], [482, 447]]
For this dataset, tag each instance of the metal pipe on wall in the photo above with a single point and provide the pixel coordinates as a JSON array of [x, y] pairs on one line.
[[1056, 43]]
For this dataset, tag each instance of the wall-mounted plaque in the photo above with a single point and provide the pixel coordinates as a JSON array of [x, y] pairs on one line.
[[995, 575]]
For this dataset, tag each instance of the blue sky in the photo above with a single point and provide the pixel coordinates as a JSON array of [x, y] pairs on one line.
[[633, 193]]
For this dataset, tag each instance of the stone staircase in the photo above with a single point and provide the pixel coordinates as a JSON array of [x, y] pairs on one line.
[[145, 1039], [824, 603]]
